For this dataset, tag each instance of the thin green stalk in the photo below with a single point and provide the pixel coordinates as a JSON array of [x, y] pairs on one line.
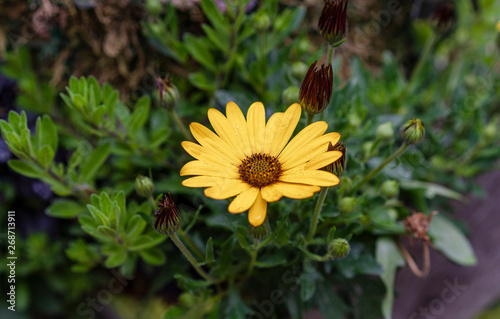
[[317, 211], [429, 44], [330, 52], [310, 117], [253, 259], [191, 259], [181, 125], [393, 156]]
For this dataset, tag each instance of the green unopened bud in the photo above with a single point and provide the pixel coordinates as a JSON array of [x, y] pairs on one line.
[[347, 205], [153, 7], [262, 22], [167, 94], [390, 189], [187, 300], [490, 131], [354, 120], [259, 232], [339, 248], [303, 45], [367, 148], [385, 131], [166, 219], [291, 95], [299, 69], [346, 184], [413, 131], [144, 186]]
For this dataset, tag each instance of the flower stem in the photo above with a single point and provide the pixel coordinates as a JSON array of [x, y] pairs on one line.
[[181, 125], [191, 259], [310, 117], [394, 155], [317, 211], [330, 52]]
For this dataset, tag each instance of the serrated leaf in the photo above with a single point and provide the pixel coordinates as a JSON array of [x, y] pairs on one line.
[[64, 208], [451, 242]]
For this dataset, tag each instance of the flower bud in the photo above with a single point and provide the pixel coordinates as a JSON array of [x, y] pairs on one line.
[[413, 131], [262, 22], [316, 89], [259, 232], [490, 131], [390, 189], [299, 69], [338, 166], [153, 7], [385, 131], [339, 248], [144, 186], [166, 219], [347, 205], [443, 17], [167, 94], [346, 184], [332, 23], [291, 95]]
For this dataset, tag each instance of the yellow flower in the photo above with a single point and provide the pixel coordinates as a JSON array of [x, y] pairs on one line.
[[254, 160]]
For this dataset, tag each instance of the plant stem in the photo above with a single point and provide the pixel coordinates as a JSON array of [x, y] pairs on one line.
[[317, 211], [191, 259], [330, 52], [394, 155], [429, 44], [310, 117], [181, 125], [253, 259]]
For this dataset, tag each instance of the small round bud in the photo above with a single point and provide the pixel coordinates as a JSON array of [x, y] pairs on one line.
[[259, 232], [291, 95], [385, 131], [262, 22], [490, 131], [346, 184], [339, 248], [367, 148], [354, 120], [144, 186], [303, 45], [413, 131], [187, 300], [167, 93], [153, 7], [299, 69], [393, 213], [390, 189], [347, 205], [166, 219]]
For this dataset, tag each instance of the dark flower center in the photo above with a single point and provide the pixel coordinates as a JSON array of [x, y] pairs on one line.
[[259, 170]]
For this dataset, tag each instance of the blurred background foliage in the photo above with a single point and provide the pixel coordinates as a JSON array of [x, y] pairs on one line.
[[82, 118]]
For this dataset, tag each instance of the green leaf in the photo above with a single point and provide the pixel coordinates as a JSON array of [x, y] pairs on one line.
[[92, 165], [218, 39], [216, 18], [64, 208], [49, 133], [141, 242], [153, 256], [107, 231], [26, 169], [270, 261], [95, 90], [139, 116], [432, 190], [243, 241], [200, 80], [98, 215], [116, 260], [45, 156], [105, 203], [209, 254], [389, 257], [26, 142], [114, 216], [135, 226], [451, 242], [200, 51]]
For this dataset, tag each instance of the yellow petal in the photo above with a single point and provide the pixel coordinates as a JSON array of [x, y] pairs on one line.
[[230, 188], [209, 169], [256, 122], [237, 119], [284, 131], [208, 154], [271, 127], [323, 159], [225, 130], [203, 181], [309, 151], [210, 140], [296, 191], [310, 177], [303, 138], [270, 193], [257, 213], [243, 201]]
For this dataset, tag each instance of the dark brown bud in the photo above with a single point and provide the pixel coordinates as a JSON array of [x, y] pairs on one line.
[[316, 89], [332, 22], [338, 166], [166, 219]]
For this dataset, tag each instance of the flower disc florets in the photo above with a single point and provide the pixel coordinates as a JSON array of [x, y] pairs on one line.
[[260, 170]]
